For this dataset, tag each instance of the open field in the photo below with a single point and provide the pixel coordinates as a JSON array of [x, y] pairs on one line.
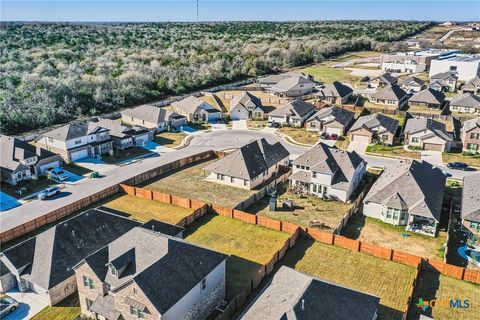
[[300, 135], [471, 160], [434, 286], [68, 309], [249, 246], [325, 73], [386, 279], [382, 234], [144, 209], [307, 208], [169, 139], [190, 183], [395, 151]]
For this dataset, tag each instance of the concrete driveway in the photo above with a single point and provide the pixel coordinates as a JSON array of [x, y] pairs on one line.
[[239, 125], [95, 164], [29, 304], [433, 157], [357, 146]]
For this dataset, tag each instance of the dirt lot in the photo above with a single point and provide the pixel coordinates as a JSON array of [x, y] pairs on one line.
[[169, 139]]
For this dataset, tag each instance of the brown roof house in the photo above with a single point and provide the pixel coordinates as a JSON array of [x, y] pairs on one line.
[[246, 106], [390, 96], [328, 172], [144, 274], [125, 136], [409, 194], [293, 113], [153, 118], [249, 166], [472, 86], [294, 86], [332, 120], [465, 103], [428, 98], [335, 93], [470, 135], [20, 161], [427, 134], [374, 127], [196, 110]]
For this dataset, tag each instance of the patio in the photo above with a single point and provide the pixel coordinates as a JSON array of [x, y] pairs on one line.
[[422, 225]]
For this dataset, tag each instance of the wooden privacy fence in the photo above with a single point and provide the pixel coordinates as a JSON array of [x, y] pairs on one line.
[[413, 287]]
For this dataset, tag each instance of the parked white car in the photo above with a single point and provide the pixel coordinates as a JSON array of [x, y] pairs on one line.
[[58, 174], [7, 305], [47, 193]]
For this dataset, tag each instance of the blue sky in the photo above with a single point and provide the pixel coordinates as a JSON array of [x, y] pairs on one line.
[[185, 10]]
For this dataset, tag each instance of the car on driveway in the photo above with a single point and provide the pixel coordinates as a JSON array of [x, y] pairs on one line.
[[58, 174], [273, 124], [7, 305], [457, 165], [47, 193], [324, 136]]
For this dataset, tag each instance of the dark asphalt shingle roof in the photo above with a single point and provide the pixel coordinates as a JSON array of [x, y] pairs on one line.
[[390, 92], [245, 100], [74, 130], [472, 84], [374, 120], [296, 107], [429, 95], [162, 227], [466, 100], [342, 116], [335, 89]]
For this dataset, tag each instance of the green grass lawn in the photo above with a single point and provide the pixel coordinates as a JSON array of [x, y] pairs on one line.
[[393, 151], [122, 155], [471, 160], [169, 139], [190, 183], [32, 186], [327, 74], [249, 246], [342, 142], [300, 135], [386, 279], [68, 309], [142, 209]]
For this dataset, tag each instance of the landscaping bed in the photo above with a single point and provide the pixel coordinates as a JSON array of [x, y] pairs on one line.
[[470, 159], [249, 246], [169, 139], [393, 151], [256, 124], [68, 309], [122, 155], [300, 135], [388, 280]]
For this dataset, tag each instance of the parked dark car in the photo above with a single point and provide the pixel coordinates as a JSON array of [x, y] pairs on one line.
[[457, 165], [47, 193], [276, 125], [324, 136]]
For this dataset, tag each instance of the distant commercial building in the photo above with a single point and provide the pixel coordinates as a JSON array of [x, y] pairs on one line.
[[466, 66], [405, 66], [421, 56]]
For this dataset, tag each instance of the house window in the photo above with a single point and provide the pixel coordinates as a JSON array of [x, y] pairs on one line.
[[245, 182], [384, 137], [220, 176], [88, 282], [137, 312], [313, 124], [415, 139], [314, 188], [232, 179], [403, 215], [474, 135], [134, 291], [472, 146], [88, 303], [475, 225], [204, 284], [314, 175], [113, 271], [453, 68], [79, 141], [50, 139]]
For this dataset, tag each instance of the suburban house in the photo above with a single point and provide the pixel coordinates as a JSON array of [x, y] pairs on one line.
[[294, 86], [273, 79], [439, 86], [412, 84], [335, 93], [294, 295], [465, 103], [196, 110], [153, 118], [20, 161], [383, 80], [75, 141], [408, 194], [390, 95], [249, 166], [428, 98], [470, 135], [328, 172], [374, 127], [44, 264], [405, 66], [293, 113], [446, 80], [466, 66], [332, 120], [472, 86], [144, 274], [427, 134], [125, 136], [246, 106], [470, 211]]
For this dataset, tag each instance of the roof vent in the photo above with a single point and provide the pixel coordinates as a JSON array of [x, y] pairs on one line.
[[303, 304]]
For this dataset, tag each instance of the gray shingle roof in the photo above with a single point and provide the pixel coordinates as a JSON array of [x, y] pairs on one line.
[[390, 92], [250, 160], [429, 95], [419, 184], [296, 107], [386, 78], [244, 100], [104, 305], [294, 295], [466, 100], [73, 131], [443, 75], [342, 116], [471, 198], [150, 114], [335, 89], [412, 81], [471, 124], [190, 105], [119, 130], [374, 120], [290, 82], [472, 84], [418, 124]]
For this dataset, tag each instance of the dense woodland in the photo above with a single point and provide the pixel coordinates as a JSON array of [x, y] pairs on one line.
[[52, 73]]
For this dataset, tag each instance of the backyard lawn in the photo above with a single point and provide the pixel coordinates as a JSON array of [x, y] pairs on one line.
[[434, 286], [169, 139], [386, 279], [471, 160], [395, 151], [190, 183], [32, 186], [342, 142], [248, 245], [300, 135], [307, 208], [68, 309], [144, 209], [122, 155]]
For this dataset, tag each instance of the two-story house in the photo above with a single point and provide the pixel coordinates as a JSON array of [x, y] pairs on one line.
[[472, 86], [470, 214], [335, 93], [332, 120], [20, 161], [145, 274], [428, 98], [153, 118], [124, 136], [390, 96], [427, 134], [293, 113], [75, 141], [465, 103], [246, 106], [470, 135], [374, 127], [409, 194], [328, 172], [196, 110], [249, 166], [446, 79]]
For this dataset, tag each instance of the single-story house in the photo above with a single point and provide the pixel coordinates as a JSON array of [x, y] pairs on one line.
[[21, 161], [470, 135], [294, 295], [465, 103], [335, 93], [294, 86], [153, 118], [125, 136], [144, 274], [328, 172], [196, 110], [428, 98], [249, 166], [273, 79], [470, 211], [427, 134], [390, 95], [293, 113], [447, 79], [332, 120], [412, 84], [408, 194], [383, 80], [472, 86], [246, 106], [374, 127]]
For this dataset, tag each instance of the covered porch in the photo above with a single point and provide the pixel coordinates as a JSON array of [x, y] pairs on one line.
[[423, 225]]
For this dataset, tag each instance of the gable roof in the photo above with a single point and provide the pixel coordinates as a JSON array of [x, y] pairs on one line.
[[51, 255], [191, 103], [418, 124], [244, 99], [142, 255], [335, 89], [419, 184], [119, 130], [290, 82], [471, 124], [428, 95], [276, 78], [472, 84], [471, 198], [444, 75], [412, 81], [296, 107], [250, 160], [386, 78], [73, 131], [150, 113], [294, 295], [468, 100], [374, 120], [390, 92], [342, 116]]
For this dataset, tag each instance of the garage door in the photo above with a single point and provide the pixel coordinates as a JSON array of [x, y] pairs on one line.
[[433, 147], [79, 154], [52, 165], [336, 131], [363, 139]]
